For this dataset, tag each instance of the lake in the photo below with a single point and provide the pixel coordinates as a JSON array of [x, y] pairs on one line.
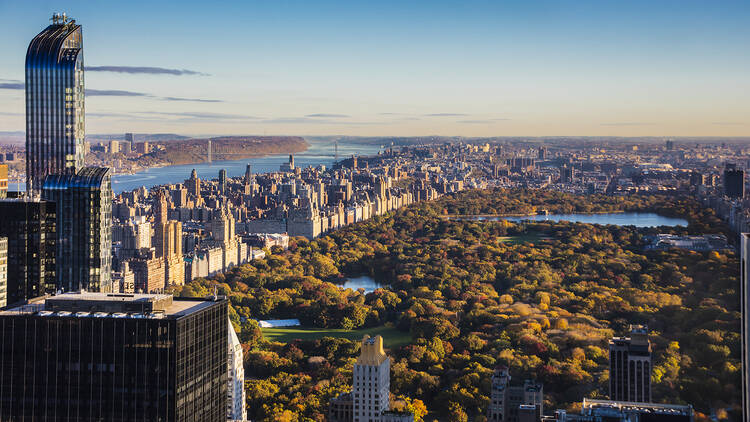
[[319, 152], [364, 282], [638, 219]]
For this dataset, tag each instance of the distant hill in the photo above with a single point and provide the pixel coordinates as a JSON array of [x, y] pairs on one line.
[[137, 137], [193, 150]]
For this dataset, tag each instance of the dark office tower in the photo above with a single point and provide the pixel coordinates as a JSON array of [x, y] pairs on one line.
[[248, 173], [223, 181], [114, 357], [29, 226], [630, 366], [3, 272], [54, 102], [745, 326], [734, 182], [84, 228], [129, 138], [670, 145]]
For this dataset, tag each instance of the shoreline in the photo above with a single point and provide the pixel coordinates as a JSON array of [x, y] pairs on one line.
[[241, 157]]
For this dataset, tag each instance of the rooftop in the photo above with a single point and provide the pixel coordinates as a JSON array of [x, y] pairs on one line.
[[111, 305]]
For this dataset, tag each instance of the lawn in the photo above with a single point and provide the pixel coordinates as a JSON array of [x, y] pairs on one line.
[[531, 237], [391, 336]]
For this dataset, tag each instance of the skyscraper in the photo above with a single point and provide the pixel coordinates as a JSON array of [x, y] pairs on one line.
[[734, 182], [84, 228], [222, 181], [30, 226], [3, 272], [3, 181], [235, 379], [54, 102], [630, 366], [372, 381], [114, 357], [745, 326]]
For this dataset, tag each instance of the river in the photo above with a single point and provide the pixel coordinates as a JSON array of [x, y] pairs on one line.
[[319, 152]]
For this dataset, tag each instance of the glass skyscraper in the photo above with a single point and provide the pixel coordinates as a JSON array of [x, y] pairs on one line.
[[84, 228], [54, 102]]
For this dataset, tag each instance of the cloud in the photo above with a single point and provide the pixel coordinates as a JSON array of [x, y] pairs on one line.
[[728, 123], [446, 115], [203, 115], [307, 120], [144, 70], [482, 121], [328, 115], [114, 93], [12, 85], [198, 100], [628, 124]]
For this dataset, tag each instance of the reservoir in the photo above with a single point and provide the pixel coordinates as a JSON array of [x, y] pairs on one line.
[[363, 282], [637, 219], [319, 152]]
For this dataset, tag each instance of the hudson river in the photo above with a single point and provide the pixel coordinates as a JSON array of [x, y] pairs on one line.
[[319, 152]]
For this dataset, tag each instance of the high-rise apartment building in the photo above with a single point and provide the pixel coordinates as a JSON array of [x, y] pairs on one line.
[[30, 226], [745, 324], [630, 366], [510, 403], [734, 182], [54, 102], [3, 272], [372, 381], [168, 242], [498, 393], [84, 228], [235, 379], [114, 357], [222, 181], [194, 185], [3, 181]]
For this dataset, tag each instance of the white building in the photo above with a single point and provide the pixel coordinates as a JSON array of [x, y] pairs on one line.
[[372, 381], [236, 379]]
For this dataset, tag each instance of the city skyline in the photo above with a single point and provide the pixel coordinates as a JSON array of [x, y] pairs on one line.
[[477, 69]]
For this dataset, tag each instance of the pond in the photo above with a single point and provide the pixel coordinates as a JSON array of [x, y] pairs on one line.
[[638, 219], [364, 281]]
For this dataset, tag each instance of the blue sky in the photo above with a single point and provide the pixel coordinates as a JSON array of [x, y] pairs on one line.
[[474, 68]]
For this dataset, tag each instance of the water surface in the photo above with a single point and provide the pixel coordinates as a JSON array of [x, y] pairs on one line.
[[637, 219]]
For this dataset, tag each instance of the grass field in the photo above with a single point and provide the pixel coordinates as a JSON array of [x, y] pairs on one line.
[[526, 237], [391, 336]]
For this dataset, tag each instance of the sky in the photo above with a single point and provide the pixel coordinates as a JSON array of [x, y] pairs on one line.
[[399, 68]]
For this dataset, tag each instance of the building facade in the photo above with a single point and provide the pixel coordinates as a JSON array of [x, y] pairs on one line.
[[371, 381], [745, 325], [3, 272], [30, 227], [114, 357], [235, 378], [630, 366], [734, 182], [54, 102], [510, 403], [84, 228]]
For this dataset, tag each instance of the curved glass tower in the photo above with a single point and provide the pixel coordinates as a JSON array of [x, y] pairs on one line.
[[54, 102]]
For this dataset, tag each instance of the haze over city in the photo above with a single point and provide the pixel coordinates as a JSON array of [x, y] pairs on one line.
[[674, 68]]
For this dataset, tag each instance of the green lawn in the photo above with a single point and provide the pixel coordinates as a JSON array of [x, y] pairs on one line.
[[391, 336], [531, 237]]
